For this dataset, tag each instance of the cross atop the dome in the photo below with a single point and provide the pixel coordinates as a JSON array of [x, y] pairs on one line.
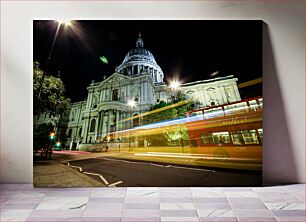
[[139, 43]]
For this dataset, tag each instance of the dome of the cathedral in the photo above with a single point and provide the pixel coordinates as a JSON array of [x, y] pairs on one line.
[[139, 61], [139, 54]]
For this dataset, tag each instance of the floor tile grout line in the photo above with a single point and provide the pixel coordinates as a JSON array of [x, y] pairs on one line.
[[231, 207], [123, 207], [158, 198], [267, 206], [37, 205], [302, 199], [82, 218], [196, 207]]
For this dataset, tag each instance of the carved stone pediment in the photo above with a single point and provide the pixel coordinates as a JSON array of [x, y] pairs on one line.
[[115, 79]]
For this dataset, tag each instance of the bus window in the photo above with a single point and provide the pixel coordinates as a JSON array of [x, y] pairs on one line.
[[253, 105], [207, 139], [250, 136], [221, 138], [260, 133], [237, 138]]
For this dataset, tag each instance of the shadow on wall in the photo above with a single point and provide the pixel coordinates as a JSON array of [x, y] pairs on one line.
[[278, 160]]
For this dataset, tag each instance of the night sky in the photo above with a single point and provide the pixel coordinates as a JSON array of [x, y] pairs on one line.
[[190, 50]]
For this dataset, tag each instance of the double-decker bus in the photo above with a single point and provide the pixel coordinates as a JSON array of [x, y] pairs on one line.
[[232, 131], [228, 135]]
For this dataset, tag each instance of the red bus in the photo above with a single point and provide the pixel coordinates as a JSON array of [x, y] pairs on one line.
[[230, 132]]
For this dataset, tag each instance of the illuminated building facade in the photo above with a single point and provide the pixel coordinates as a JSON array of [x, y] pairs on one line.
[[140, 79]]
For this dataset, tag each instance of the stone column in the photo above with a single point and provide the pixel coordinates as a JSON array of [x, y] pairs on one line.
[[96, 129], [129, 91], [123, 125], [101, 96], [90, 94], [121, 118], [99, 125], [225, 99], [117, 120], [205, 100], [104, 125], [146, 91], [235, 89], [83, 130], [85, 134], [140, 91], [109, 120]]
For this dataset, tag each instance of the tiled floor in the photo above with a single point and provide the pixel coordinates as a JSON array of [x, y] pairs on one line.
[[22, 202]]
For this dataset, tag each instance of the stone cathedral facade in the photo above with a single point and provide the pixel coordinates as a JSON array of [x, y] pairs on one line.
[[140, 79]]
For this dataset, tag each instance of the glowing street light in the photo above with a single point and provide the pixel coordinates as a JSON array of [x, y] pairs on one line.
[[131, 103], [174, 84], [66, 22]]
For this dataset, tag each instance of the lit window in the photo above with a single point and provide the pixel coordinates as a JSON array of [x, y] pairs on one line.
[[237, 138], [250, 136]]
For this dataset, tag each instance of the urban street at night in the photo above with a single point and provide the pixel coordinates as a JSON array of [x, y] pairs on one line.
[[147, 103]]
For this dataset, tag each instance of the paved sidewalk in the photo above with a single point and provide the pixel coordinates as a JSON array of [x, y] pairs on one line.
[[50, 173]]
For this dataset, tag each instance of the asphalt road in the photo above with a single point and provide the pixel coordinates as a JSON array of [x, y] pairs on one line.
[[146, 174]]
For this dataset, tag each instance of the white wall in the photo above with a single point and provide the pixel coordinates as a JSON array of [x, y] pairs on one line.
[[284, 77]]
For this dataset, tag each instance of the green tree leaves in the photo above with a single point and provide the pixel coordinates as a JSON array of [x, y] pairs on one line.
[[52, 98]]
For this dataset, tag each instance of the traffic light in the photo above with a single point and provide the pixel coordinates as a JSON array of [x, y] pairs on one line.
[[52, 136]]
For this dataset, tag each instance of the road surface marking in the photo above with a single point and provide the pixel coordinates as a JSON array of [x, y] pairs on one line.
[[80, 168], [154, 164], [190, 168], [99, 175], [127, 161], [160, 165], [114, 184]]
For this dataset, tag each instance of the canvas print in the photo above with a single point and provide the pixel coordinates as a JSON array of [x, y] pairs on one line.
[[147, 103]]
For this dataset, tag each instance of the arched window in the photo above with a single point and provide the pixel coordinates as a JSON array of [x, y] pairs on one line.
[[69, 133], [92, 125]]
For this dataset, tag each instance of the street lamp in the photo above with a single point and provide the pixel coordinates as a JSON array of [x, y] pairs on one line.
[[174, 85], [60, 22], [66, 22]]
